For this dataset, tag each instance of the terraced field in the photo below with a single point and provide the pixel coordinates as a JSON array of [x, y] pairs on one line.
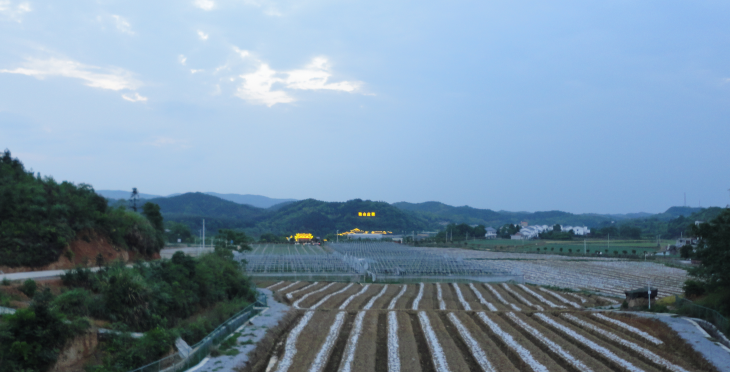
[[465, 327]]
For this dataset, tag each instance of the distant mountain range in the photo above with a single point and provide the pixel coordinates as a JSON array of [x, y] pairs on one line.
[[259, 214], [253, 200]]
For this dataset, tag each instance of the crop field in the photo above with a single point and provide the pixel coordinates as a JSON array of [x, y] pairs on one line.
[[286, 249], [606, 275], [462, 327], [571, 247]]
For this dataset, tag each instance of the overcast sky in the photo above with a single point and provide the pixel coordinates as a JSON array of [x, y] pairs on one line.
[[581, 106]]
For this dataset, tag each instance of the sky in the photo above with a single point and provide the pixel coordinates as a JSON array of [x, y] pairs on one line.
[[585, 107]]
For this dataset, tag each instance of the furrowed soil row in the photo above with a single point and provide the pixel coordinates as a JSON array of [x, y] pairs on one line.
[[632, 329], [482, 300], [290, 285], [434, 346], [540, 298], [381, 344], [424, 355], [380, 294], [324, 352], [512, 292], [520, 357], [419, 296], [312, 297], [303, 290], [271, 287], [477, 353], [394, 301], [562, 299], [358, 302], [466, 297], [340, 345], [365, 353], [440, 297], [593, 346], [354, 296], [560, 355], [348, 356], [464, 351], [626, 344], [407, 344], [326, 298], [311, 340], [497, 353], [290, 350], [500, 298], [450, 297], [383, 302]]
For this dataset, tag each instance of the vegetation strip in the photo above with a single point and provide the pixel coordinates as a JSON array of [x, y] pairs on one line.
[[600, 350], [481, 298], [440, 295], [296, 304], [347, 302], [561, 298], [323, 300], [393, 354], [524, 354], [289, 295], [290, 349], [539, 297], [375, 298], [437, 353], [476, 351], [555, 348], [287, 287], [521, 298], [418, 297], [352, 343], [321, 359], [395, 299], [501, 299], [461, 297], [629, 328], [274, 285], [628, 344]]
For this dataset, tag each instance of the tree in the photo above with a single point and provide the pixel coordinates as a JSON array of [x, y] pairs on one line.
[[713, 250], [557, 228], [152, 212], [227, 238]]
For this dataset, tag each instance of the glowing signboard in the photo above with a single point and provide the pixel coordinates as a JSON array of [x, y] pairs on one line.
[[305, 236], [366, 214]]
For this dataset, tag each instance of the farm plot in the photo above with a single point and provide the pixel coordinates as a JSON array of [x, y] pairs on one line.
[[431, 340], [426, 296]]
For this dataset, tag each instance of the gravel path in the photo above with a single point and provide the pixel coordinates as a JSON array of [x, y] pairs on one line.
[[255, 332]]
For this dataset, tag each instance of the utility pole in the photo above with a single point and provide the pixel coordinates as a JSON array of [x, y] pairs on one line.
[[338, 236]]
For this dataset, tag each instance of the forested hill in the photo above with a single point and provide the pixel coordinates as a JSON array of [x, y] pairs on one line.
[[40, 217], [435, 212], [326, 217]]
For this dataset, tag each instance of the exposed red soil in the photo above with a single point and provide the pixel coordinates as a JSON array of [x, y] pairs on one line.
[[83, 252]]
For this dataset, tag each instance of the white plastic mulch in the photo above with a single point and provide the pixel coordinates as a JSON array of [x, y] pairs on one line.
[[437, 353], [481, 298], [418, 297], [347, 302], [461, 297], [395, 299], [629, 328], [442, 304], [539, 297], [297, 302], [550, 344], [561, 298], [346, 364], [372, 300], [324, 352], [613, 337], [287, 287], [292, 293], [524, 354], [290, 348], [501, 299], [393, 355], [476, 351], [327, 297]]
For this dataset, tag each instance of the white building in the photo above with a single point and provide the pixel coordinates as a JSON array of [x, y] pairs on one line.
[[491, 233]]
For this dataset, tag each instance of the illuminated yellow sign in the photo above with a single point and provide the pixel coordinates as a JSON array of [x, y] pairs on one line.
[[305, 236], [358, 231], [366, 214]]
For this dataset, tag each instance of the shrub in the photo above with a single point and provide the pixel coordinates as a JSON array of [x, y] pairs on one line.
[[693, 288], [75, 302], [29, 287], [6, 281]]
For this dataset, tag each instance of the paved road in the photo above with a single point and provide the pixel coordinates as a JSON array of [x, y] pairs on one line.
[[49, 274]]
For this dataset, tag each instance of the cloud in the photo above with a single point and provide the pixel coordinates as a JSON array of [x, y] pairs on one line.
[[194, 71], [258, 87], [202, 35], [270, 8], [113, 78], [123, 25], [206, 5], [134, 97], [14, 13], [182, 59]]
